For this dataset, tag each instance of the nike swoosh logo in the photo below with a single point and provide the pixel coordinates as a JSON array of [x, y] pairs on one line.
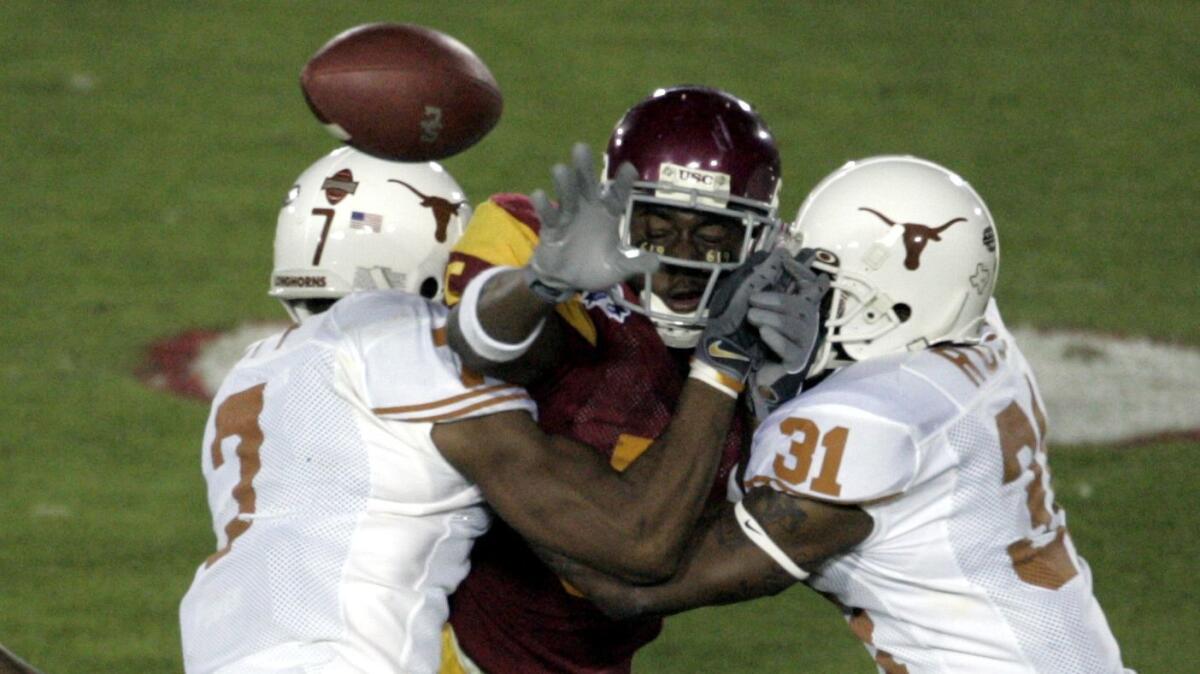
[[715, 350], [749, 525]]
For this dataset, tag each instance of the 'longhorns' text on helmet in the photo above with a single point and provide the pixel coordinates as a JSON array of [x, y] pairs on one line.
[[356, 222], [706, 151], [915, 252]]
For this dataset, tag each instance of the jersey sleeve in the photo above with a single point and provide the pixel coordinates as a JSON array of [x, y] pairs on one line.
[[832, 453], [504, 231], [409, 373]]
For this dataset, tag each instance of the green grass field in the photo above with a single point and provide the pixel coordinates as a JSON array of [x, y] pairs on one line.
[[147, 147]]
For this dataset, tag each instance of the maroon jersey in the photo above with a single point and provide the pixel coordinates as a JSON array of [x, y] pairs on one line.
[[615, 392]]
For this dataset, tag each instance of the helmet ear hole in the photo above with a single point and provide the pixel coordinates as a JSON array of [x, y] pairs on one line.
[[902, 311], [429, 288], [318, 305]]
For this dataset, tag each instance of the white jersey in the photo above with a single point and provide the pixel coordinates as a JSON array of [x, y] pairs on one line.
[[340, 528], [969, 567]]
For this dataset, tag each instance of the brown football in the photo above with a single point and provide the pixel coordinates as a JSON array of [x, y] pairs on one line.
[[402, 91]]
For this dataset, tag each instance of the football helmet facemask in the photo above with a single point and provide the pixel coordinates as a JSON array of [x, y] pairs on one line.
[[914, 254], [355, 222], [707, 152]]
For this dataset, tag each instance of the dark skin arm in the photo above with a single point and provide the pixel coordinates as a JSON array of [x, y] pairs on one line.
[[722, 565], [564, 496], [509, 311]]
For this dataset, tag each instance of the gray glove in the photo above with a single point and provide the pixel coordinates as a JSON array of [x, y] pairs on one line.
[[788, 317], [580, 246], [729, 343], [769, 387], [790, 324]]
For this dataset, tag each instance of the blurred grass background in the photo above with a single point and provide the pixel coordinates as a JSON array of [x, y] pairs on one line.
[[147, 147]]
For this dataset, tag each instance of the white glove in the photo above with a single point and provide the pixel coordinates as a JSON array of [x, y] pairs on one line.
[[580, 246]]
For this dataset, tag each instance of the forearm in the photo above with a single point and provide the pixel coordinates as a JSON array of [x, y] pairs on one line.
[[490, 329], [558, 493], [674, 476], [508, 310], [724, 563], [636, 524], [565, 496], [722, 566]]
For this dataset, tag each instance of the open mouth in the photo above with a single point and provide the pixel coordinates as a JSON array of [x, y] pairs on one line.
[[685, 299]]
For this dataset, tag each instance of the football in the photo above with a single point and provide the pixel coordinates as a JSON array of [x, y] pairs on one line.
[[402, 91]]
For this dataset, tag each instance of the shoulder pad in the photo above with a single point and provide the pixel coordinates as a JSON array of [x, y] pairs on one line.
[[399, 357], [494, 236], [499, 236], [520, 207]]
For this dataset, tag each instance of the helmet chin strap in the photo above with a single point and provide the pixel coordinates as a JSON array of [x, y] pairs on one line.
[[674, 336], [295, 310]]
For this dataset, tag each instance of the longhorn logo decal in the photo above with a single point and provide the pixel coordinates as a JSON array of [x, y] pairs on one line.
[[442, 209], [916, 236]]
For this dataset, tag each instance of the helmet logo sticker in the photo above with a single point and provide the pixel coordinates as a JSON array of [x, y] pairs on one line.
[[371, 221], [715, 184], [601, 299], [916, 236], [300, 281], [979, 280], [338, 185], [443, 209]]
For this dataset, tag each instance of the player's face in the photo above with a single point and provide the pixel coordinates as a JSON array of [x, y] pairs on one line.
[[690, 235]]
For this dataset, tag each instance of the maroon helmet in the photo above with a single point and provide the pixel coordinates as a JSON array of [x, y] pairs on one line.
[[703, 149]]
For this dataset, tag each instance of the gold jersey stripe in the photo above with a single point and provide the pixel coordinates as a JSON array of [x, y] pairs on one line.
[[627, 450], [496, 237], [470, 408], [402, 409]]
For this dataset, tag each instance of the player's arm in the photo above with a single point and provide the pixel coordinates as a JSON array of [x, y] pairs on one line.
[[503, 327], [790, 521], [735, 555], [499, 307], [563, 495]]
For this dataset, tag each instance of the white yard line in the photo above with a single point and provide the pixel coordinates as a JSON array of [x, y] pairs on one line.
[[1098, 388]]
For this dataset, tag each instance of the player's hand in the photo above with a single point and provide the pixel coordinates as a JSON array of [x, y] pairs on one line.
[[790, 323], [580, 246], [771, 385], [729, 343], [788, 317]]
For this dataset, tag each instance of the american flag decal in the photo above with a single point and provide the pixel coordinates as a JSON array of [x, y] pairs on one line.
[[374, 221]]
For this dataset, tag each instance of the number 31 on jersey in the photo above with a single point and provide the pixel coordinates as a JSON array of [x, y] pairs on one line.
[[795, 466]]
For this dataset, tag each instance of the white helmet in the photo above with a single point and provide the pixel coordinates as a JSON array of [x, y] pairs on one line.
[[916, 256], [356, 222]]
